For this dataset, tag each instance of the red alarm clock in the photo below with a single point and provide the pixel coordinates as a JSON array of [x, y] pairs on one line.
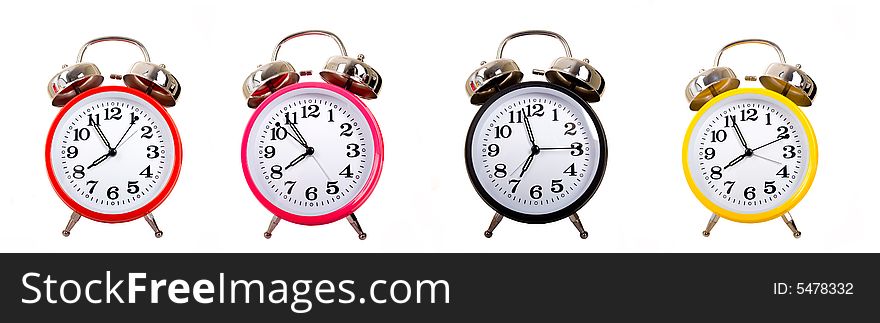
[[113, 153]]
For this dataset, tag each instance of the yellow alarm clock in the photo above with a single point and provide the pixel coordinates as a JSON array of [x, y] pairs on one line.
[[750, 154]]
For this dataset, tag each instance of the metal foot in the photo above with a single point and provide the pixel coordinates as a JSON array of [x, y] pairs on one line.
[[357, 226], [578, 225], [272, 225], [712, 221], [70, 223], [789, 221], [492, 225], [152, 222]]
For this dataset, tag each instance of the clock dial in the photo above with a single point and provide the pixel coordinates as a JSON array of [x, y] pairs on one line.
[[748, 153], [536, 151], [112, 152], [310, 151]]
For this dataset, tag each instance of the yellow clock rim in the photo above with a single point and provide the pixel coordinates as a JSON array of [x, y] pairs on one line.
[[794, 199]]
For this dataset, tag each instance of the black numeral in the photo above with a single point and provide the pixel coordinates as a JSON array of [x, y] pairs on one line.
[[749, 193], [332, 188], [269, 151], [570, 170], [346, 172], [768, 118], [569, 129], [783, 172], [114, 113], [500, 170], [148, 132], [353, 150], [715, 172], [94, 120], [275, 172], [133, 187], [146, 173], [287, 116], [783, 132], [79, 172], [769, 188], [152, 151], [535, 110], [494, 150], [535, 192], [729, 121], [515, 183], [555, 115], [502, 132], [72, 151], [134, 118], [577, 149], [330, 112], [346, 129], [789, 152], [312, 193], [93, 184], [279, 133], [731, 183], [310, 111], [556, 186], [710, 153], [515, 116], [748, 115], [113, 192], [81, 134], [719, 135], [290, 189]]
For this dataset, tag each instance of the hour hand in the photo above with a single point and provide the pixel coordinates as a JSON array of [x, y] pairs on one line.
[[296, 161], [735, 161], [526, 165], [98, 161]]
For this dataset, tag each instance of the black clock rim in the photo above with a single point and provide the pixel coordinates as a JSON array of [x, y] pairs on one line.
[[538, 218]]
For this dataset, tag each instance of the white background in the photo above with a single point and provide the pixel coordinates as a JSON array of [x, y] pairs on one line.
[[647, 51]]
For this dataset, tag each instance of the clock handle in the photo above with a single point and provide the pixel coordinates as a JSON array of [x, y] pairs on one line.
[[152, 222], [309, 33], [750, 41], [74, 218], [579, 225], [712, 221], [789, 221], [533, 32], [82, 50], [356, 226], [492, 225]]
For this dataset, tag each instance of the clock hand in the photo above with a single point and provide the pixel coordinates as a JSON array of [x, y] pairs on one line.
[[526, 165], [125, 133], [299, 159], [767, 159], [528, 127], [101, 134], [126, 140], [742, 140], [557, 148], [101, 159], [786, 136], [736, 160], [302, 139], [294, 136], [321, 167]]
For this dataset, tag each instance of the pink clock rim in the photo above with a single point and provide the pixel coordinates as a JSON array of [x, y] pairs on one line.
[[359, 199], [153, 204]]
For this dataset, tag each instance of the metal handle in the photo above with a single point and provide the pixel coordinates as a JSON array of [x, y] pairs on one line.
[[750, 41], [82, 50], [308, 33], [534, 32]]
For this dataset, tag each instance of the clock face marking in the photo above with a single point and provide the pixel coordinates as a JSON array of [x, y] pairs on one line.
[[310, 152], [535, 150], [748, 153], [112, 152]]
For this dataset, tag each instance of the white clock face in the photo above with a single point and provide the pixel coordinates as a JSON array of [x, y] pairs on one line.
[[748, 153], [540, 177], [310, 152], [112, 152]]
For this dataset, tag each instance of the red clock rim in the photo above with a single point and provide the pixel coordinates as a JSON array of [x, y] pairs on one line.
[[151, 205], [359, 199]]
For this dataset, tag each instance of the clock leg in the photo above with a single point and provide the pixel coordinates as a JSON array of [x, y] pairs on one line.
[[789, 221], [579, 225], [152, 222], [712, 221], [492, 225], [272, 225], [74, 218], [357, 226]]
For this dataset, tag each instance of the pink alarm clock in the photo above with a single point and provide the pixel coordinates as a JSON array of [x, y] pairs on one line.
[[312, 152]]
